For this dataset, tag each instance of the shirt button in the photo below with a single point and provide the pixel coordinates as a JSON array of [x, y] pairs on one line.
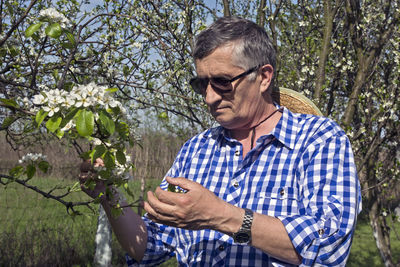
[[221, 247], [282, 192], [321, 232], [237, 153], [236, 184]]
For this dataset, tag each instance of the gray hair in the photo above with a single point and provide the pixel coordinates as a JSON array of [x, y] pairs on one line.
[[252, 46]]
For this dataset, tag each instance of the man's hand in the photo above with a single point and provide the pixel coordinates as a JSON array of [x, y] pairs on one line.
[[88, 174], [197, 209]]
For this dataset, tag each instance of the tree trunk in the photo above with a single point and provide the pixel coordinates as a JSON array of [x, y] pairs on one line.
[[381, 234], [227, 11], [103, 253], [329, 14], [261, 13], [374, 199]]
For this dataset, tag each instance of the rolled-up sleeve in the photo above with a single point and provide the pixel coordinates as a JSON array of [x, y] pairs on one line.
[[330, 200], [161, 245]]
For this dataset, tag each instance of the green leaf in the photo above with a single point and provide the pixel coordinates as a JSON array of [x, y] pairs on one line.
[[7, 122], [112, 90], [16, 171], [70, 115], [120, 157], [30, 171], [54, 30], [71, 38], [76, 187], [32, 29], [55, 74], [53, 123], [175, 189], [9, 102], [107, 122], [44, 166], [171, 188], [109, 160], [84, 122], [86, 155], [3, 52], [104, 174], [40, 117], [128, 190], [60, 133], [99, 151], [123, 129], [163, 115], [13, 51], [67, 45], [126, 70]]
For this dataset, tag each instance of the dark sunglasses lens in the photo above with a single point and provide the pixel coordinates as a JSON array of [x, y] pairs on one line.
[[221, 83], [199, 85]]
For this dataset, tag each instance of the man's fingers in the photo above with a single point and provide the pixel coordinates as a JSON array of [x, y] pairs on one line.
[[181, 182], [154, 215], [86, 166], [98, 163], [157, 206]]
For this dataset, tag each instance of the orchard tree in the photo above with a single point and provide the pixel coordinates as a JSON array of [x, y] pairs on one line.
[[88, 72], [82, 72]]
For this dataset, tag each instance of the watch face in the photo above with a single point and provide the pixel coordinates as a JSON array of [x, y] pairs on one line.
[[242, 238]]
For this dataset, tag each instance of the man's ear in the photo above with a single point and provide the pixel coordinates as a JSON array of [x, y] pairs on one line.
[[267, 73]]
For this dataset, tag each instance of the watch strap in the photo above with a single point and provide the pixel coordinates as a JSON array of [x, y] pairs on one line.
[[244, 234], [247, 220]]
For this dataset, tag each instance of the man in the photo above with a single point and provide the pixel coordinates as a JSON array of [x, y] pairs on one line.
[[266, 188]]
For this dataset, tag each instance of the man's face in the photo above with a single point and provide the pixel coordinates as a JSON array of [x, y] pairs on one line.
[[239, 108]]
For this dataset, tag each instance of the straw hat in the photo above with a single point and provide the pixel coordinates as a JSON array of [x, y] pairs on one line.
[[295, 101]]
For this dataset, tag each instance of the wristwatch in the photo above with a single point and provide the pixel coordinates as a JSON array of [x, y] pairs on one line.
[[243, 236]]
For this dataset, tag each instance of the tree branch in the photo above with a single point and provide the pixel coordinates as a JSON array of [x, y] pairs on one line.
[[13, 27], [68, 204], [227, 11]]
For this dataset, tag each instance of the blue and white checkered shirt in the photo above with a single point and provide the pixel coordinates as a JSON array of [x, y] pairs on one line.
[[302, 173]]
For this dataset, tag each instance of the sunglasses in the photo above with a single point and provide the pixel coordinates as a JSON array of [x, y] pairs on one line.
[[221, 84]]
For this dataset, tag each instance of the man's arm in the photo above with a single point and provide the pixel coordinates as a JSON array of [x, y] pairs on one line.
[[199, 208], [128, 227]]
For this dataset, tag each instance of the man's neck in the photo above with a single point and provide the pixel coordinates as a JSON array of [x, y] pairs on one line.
[[262, 127]]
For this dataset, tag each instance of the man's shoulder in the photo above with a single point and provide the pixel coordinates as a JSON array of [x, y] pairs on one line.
[[210, 134], [317, 127]]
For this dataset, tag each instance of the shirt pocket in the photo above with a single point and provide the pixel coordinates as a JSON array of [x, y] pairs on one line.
[[277, 201]]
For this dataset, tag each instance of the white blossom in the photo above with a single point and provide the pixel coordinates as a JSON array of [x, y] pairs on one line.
[[32, 157], [51, 110], [54, 15], [82, 100]]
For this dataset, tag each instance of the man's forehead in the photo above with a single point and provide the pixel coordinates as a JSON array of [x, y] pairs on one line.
[[219, 62]]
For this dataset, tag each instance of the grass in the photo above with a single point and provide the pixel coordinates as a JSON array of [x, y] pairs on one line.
[[364, 251], [35, 231]]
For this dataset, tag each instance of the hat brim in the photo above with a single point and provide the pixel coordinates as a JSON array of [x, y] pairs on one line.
[[295, 101]]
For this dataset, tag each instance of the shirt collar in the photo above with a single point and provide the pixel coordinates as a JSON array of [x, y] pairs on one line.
[[287, 128], [285, 131]]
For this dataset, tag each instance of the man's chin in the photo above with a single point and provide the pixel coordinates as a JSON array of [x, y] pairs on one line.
[[224, 122]]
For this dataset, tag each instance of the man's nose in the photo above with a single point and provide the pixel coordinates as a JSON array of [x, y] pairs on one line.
[[211, 96]]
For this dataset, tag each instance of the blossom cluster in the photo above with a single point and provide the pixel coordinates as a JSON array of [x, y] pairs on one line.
[[32, 157], [90, 95], [120, 171], [52, 14]]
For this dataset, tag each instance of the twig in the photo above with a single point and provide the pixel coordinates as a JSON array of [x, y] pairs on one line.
[[68, 204]]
